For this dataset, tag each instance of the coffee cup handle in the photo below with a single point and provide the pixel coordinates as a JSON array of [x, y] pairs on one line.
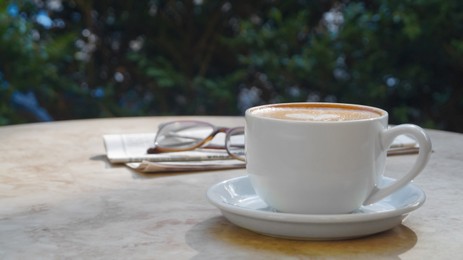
[[425, 148]]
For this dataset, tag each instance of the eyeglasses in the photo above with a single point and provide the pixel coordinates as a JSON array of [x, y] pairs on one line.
[[186, 135]]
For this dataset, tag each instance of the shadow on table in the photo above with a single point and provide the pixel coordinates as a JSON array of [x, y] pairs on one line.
[[218, 238]]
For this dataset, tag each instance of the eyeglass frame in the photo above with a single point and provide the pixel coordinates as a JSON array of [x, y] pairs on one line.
[[228, 131]]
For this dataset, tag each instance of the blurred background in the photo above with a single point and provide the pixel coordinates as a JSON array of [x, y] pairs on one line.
[[79, 59]]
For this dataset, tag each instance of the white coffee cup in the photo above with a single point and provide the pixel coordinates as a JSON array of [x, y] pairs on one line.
[[323, 158]]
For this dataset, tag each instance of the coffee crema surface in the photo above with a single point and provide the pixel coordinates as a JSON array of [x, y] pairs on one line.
[[315, 114]]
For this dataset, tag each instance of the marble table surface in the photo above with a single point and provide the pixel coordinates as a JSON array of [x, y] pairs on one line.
[[60, 198]]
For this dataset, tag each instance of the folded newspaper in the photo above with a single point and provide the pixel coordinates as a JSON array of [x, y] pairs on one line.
[[130, 149]]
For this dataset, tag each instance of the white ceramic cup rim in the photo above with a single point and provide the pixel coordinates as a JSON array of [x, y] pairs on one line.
[[382, 113]]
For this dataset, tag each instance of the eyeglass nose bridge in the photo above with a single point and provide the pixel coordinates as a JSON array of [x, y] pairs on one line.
[[211, 136]]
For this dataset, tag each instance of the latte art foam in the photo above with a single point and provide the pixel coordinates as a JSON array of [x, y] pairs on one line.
[[315, 114]]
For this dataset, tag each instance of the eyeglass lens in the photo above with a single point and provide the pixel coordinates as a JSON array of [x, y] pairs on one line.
[[182, 134]]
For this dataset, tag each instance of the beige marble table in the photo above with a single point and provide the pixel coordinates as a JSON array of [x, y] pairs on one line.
[[60, 198]]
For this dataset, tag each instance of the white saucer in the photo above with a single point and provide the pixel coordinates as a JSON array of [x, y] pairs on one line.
[[239, 203]]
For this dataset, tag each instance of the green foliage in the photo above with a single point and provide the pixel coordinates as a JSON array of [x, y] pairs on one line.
[[33, 63], [24, 55], [128, 58], [404, 49]]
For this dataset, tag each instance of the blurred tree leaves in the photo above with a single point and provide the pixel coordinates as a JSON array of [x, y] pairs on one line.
[[126, 58], [403, 49]]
